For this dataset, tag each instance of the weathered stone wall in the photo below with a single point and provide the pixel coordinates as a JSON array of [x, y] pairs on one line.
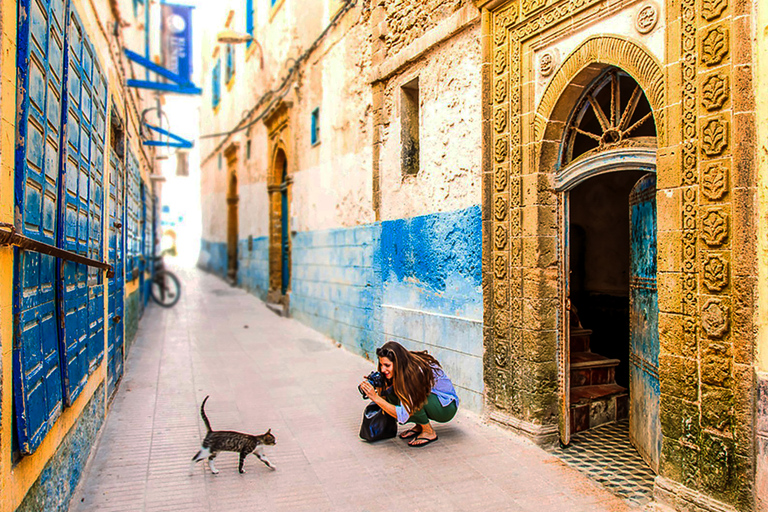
[[58, 480]]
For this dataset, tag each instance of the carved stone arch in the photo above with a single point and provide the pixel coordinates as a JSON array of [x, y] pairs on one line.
[[578, 70]]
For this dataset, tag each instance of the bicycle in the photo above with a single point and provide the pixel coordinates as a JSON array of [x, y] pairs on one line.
[[166, 287]]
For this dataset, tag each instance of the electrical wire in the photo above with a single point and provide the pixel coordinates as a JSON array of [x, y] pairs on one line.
[[349, 4]]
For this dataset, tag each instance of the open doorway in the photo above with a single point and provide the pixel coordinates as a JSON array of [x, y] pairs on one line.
[[599, 274], [610, 343]]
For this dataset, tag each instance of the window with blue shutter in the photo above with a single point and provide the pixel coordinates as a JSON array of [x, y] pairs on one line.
[[249, 22], [315, 127], [133, 237], [229, 65], [216, 85]]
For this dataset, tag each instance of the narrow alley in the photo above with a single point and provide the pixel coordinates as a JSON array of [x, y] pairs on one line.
[[266, 372]]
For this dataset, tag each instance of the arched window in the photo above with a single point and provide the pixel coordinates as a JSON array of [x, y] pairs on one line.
[[613, 113]]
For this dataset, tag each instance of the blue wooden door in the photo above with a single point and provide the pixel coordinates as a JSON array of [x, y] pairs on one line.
[[81, 308], [285, 238], [37, 378], [117, 260], [645, 428]]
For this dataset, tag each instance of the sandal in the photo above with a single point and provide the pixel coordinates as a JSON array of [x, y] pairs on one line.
[[411, 432], [416, 444]]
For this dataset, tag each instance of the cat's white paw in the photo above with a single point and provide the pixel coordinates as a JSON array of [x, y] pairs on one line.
[[215, 471]]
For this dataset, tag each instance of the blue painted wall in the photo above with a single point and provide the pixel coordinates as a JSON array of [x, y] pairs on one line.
[[417, 281], [253, 266], [213, 257], [335, 285], [431, 293]]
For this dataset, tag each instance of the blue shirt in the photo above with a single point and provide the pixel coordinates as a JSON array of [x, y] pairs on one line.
[[443, 390]]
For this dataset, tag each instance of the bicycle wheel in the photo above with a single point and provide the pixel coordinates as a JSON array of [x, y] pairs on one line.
[[166, 289]]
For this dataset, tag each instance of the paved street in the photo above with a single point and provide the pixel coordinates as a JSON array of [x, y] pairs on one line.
[[262, 371]]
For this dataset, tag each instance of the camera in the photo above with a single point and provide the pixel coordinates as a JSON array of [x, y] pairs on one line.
[[376, 379]]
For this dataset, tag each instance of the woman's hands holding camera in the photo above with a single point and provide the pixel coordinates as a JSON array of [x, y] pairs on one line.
[[369, 390]]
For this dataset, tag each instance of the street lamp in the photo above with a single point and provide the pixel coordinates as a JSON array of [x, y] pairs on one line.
[[230, 36]]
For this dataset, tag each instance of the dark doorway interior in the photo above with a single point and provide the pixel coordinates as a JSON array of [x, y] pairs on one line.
[[599, 263]]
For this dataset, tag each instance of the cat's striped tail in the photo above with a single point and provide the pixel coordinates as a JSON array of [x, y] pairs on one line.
[[202, 413]]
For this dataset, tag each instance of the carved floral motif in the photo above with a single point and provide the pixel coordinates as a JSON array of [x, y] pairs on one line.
[[500, 237], [500, 91], [711, 9], [500, 208], [500, 120], [714, 228], [715, 273], [500, 60], [714, 92], [714, 137], [501, 354], [501, 150], [714, 318], [714, 46], [500, 267], [500, 178], [714, 181]]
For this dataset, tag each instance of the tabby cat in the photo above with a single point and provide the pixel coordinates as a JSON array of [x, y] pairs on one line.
[[226, 441]]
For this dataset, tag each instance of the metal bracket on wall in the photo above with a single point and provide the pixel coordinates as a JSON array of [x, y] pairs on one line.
[[177, 142], [9, 237], [179, 85]]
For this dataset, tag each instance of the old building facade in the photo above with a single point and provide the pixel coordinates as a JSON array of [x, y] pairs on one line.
[[75, 178], [559, 199]]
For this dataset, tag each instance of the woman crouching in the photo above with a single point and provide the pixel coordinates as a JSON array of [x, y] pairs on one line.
[[419, 391]]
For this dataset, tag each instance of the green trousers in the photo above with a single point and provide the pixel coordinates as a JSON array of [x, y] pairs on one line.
[[432, 410]]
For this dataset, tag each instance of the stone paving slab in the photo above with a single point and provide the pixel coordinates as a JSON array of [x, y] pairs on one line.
[[263, 371]]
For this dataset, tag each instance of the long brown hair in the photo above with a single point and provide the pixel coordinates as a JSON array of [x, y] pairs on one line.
[[413, 377]]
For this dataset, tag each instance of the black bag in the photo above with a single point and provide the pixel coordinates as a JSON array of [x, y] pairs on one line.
[[377, 424]]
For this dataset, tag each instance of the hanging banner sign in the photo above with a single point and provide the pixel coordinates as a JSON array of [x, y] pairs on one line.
[[176, 39]]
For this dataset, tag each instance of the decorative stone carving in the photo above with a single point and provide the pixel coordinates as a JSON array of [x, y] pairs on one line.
[[715, 92], [500, 264], [501, 150], [647, 17], [500, 90], [715, 273], [714, 46], [711, 9], [500, 237], [500, 178], [501, 353], [500, 120], [500, 208], [514, 193], [531, 5], [714, 137], [714, 228], [501, 323], [500, 61], [714, 181], [500, 294], [714, 318], [547, 62]]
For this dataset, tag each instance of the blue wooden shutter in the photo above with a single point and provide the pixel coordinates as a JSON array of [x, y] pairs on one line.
[[36, 365], [116, 258], [74, 217], [133, 248], [96, 208], [249, 25]]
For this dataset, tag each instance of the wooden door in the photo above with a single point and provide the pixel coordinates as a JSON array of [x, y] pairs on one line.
[[644, 424]]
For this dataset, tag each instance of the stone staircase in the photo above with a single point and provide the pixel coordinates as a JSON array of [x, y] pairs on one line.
[[596, 399]]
